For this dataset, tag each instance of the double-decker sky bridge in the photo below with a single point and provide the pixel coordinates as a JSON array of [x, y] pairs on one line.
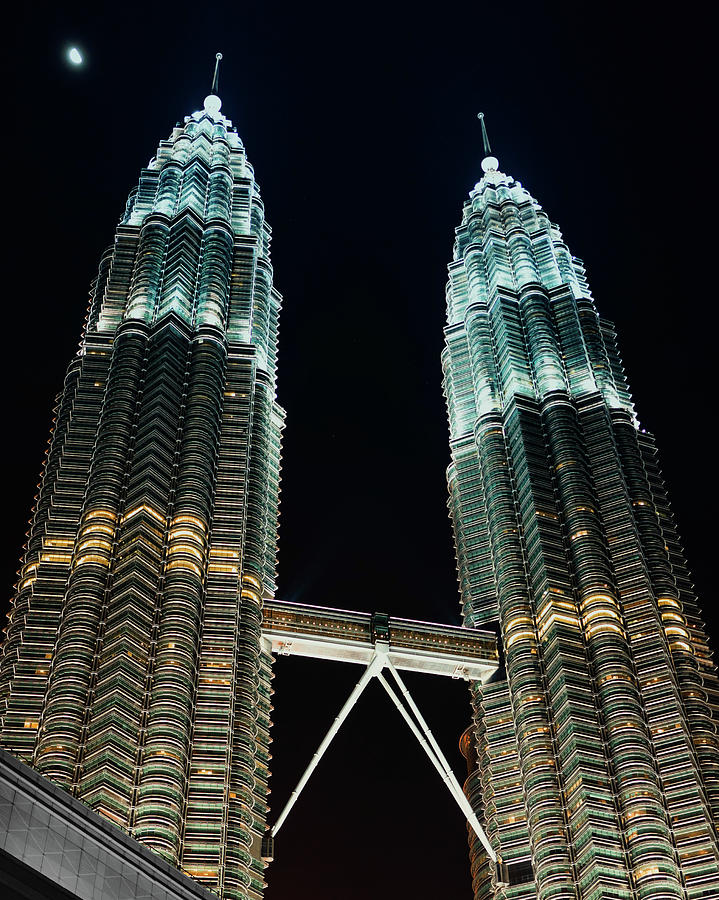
[[380, 642], [296, 629]]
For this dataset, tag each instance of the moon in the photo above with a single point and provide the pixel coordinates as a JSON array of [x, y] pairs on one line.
[[75, 57]]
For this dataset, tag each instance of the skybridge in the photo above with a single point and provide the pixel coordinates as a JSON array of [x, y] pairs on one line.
[[295, 629], [384, 644]]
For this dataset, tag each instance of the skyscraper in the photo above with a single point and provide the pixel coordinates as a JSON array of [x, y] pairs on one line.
[[597, 758], [133, 673]]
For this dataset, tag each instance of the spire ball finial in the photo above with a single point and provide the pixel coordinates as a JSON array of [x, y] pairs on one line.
[[212, 104]]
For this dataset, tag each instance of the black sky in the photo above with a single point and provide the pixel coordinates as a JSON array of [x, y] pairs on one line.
[[361, 123]]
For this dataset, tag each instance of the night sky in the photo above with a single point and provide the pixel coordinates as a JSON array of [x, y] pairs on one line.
[[361, 123]]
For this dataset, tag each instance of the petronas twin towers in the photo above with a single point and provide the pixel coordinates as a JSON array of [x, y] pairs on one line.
[[134, 672]]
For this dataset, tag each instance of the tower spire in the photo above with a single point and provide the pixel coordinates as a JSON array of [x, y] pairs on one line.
[[489, 163], [213, 104], [216, 77], [485, 139]]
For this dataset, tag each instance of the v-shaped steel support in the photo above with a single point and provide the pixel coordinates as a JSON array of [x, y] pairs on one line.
[[417, 725]]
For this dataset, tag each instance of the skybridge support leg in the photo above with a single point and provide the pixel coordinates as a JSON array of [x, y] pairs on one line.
[[437, 758], [375, 665], [419, 729]]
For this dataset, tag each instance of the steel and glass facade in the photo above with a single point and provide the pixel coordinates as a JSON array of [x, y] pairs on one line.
[[596, 757], [133, 672]]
